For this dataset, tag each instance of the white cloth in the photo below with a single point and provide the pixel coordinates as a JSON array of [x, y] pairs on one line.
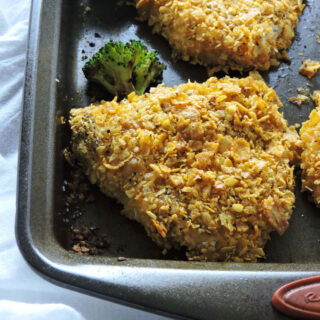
[[10, 310], [23, 294]]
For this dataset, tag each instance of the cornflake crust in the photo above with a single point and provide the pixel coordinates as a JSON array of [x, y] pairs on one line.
[[225, 34], [309, 68], [310, 157], [203, 166]]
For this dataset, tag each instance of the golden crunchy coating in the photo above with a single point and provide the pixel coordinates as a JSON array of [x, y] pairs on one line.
[[309, 68], [225, 34], [310, 157], [205, 166]]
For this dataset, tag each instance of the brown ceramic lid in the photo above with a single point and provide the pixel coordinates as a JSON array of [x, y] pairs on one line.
[[299, 299]]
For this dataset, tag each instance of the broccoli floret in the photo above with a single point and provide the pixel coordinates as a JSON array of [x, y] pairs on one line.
[[147, 67], [112, 67], [123, 68]]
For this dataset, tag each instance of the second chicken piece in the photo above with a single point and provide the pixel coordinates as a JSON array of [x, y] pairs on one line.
[[225, 34]]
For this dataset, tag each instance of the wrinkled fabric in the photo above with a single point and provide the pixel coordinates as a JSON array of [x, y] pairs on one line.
[[23, 294], [10, 310]]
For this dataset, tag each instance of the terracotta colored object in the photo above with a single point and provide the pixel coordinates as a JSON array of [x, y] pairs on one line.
[[299, 299]]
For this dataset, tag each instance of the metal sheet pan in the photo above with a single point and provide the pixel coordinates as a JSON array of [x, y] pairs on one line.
[[62, 33]]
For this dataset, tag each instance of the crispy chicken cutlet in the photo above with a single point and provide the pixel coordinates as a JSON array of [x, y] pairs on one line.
[[203, 166], [225, 34], [310, 157]]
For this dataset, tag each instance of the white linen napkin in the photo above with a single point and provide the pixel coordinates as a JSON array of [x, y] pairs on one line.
[[11, 310]]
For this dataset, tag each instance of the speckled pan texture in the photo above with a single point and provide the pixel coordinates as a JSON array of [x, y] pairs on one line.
[[63, 34]]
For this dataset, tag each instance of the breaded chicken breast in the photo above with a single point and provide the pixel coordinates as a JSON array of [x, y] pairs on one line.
[[202, 166], [310, 157], [225, 34]]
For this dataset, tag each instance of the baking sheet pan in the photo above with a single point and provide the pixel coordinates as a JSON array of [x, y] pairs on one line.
[[63, 35]]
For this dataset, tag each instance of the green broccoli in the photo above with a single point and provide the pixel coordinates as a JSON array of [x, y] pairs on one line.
[[123, 68]]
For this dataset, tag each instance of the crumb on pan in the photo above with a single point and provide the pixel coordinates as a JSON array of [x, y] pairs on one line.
[[316, 97], [309, 68], [85, 241], [62, 120], [203, 166], [304, 91], [224, 34], [310, 157], [299, 99]]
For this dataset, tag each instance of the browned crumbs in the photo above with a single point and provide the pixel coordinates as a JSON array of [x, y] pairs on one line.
[[87, 242]]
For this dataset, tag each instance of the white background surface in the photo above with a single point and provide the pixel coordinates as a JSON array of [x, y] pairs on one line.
[[23, 294]]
